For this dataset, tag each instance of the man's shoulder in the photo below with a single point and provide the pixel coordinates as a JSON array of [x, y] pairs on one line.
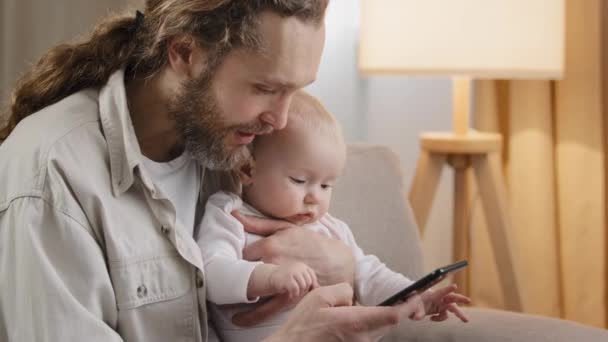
[[40, 131], [55, 121], [64, 135]]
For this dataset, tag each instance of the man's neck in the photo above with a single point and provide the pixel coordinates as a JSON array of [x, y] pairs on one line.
[[155, 131]]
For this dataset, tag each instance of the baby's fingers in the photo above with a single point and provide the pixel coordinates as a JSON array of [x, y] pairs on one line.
[[419, 311], [308, 280], [453, 308], [440, 317], [314, 283], [444, 291], [456, 298], [302, 283], [293, 288]]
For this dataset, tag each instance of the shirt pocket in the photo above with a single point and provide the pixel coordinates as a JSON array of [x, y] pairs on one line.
[[151, 280]]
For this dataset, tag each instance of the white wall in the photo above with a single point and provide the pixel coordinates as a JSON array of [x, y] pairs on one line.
[[31, 27], [387, 110]]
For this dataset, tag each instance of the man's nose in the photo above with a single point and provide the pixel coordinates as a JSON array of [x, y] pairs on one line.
[[276, 116]]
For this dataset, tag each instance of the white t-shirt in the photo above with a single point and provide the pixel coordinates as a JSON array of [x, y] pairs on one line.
[[174, 180]]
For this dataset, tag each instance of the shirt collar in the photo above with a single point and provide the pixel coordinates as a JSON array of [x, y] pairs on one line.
[[123, 147]]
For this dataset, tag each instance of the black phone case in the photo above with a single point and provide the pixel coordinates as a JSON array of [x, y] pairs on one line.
[[425, 282]]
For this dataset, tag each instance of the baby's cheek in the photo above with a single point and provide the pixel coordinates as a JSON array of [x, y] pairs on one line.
[[280, 205]]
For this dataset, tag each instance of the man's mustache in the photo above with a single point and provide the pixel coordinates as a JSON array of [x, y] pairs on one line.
[[257, 128]]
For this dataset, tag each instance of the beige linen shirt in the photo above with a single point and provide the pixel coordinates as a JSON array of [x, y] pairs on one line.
[[89, 247]]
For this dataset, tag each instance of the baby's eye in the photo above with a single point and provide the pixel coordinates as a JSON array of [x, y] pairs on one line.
[[297, 180], [325, 186]]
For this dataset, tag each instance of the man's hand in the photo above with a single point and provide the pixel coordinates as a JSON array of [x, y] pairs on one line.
[[437, 303], [331, 259], [326, 314]]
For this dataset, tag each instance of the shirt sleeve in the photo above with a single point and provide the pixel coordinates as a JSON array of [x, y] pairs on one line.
[[374, 281], [54, 281], [222, 239]]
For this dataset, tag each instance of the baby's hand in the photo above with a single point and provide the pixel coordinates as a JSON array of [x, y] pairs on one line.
[[294, 279], [437, 303]]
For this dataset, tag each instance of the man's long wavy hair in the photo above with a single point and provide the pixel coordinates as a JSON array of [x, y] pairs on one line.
[[141, 47]]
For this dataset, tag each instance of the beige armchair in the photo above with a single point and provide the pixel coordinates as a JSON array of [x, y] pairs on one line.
[[371, 198]]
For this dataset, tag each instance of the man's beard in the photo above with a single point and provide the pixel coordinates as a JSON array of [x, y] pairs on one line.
[[200, 127]]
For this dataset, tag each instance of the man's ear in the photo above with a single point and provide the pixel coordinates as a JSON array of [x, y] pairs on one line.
[[246, 172], [186, 58]]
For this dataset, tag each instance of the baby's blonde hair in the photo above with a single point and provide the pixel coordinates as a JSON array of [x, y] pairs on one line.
[[307, 112], [306, 115]]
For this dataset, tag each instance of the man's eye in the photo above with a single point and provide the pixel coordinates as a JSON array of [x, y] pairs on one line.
[[265, 90], [297, 180]]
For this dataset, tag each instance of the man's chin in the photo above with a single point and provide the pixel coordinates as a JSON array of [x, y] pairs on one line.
[[226, 162]]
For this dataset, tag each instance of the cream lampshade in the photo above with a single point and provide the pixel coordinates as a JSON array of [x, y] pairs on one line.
[[465, 39], [498, 39]]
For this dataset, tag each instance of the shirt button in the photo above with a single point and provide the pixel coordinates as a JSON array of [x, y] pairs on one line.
[[199, 281], [165, 230], [142, 291]]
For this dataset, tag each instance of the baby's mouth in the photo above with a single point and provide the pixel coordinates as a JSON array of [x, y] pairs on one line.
[[301, 218]]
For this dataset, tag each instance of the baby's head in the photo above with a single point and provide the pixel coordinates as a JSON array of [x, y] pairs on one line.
[[294, 170]]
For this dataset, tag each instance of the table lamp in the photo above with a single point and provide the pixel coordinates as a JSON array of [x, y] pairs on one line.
[[465, 39]]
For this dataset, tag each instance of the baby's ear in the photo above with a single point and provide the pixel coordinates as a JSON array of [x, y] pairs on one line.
[[246, 172]]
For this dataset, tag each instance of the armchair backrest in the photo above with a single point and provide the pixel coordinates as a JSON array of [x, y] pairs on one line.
[[371, 198]]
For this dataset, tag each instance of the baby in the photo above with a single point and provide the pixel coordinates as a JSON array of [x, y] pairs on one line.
[[290, 177]]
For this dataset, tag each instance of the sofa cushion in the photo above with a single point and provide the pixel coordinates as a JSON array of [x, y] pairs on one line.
[[496, 326], [370, 197]]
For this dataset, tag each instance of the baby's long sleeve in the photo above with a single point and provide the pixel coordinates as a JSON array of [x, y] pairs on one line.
[[374, 281], [221, 240]]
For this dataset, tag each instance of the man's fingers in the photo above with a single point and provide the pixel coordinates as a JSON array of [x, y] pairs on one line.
[[256, 250], [367, 319], [259, 225], [262, 312], [376, 318], [264, 248]]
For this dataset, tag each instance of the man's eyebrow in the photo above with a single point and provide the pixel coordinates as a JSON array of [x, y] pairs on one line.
[[284, 84]]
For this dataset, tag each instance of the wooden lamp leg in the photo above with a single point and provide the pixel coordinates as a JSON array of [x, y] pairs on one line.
[[494, 200], [462, 214], [424, 185]]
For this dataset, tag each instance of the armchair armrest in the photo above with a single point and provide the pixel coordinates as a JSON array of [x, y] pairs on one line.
[[497, 326]]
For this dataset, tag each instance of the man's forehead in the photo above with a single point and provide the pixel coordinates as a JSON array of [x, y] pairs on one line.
[[289, 52]]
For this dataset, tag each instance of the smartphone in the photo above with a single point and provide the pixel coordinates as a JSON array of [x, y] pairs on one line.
[[425, 282]]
